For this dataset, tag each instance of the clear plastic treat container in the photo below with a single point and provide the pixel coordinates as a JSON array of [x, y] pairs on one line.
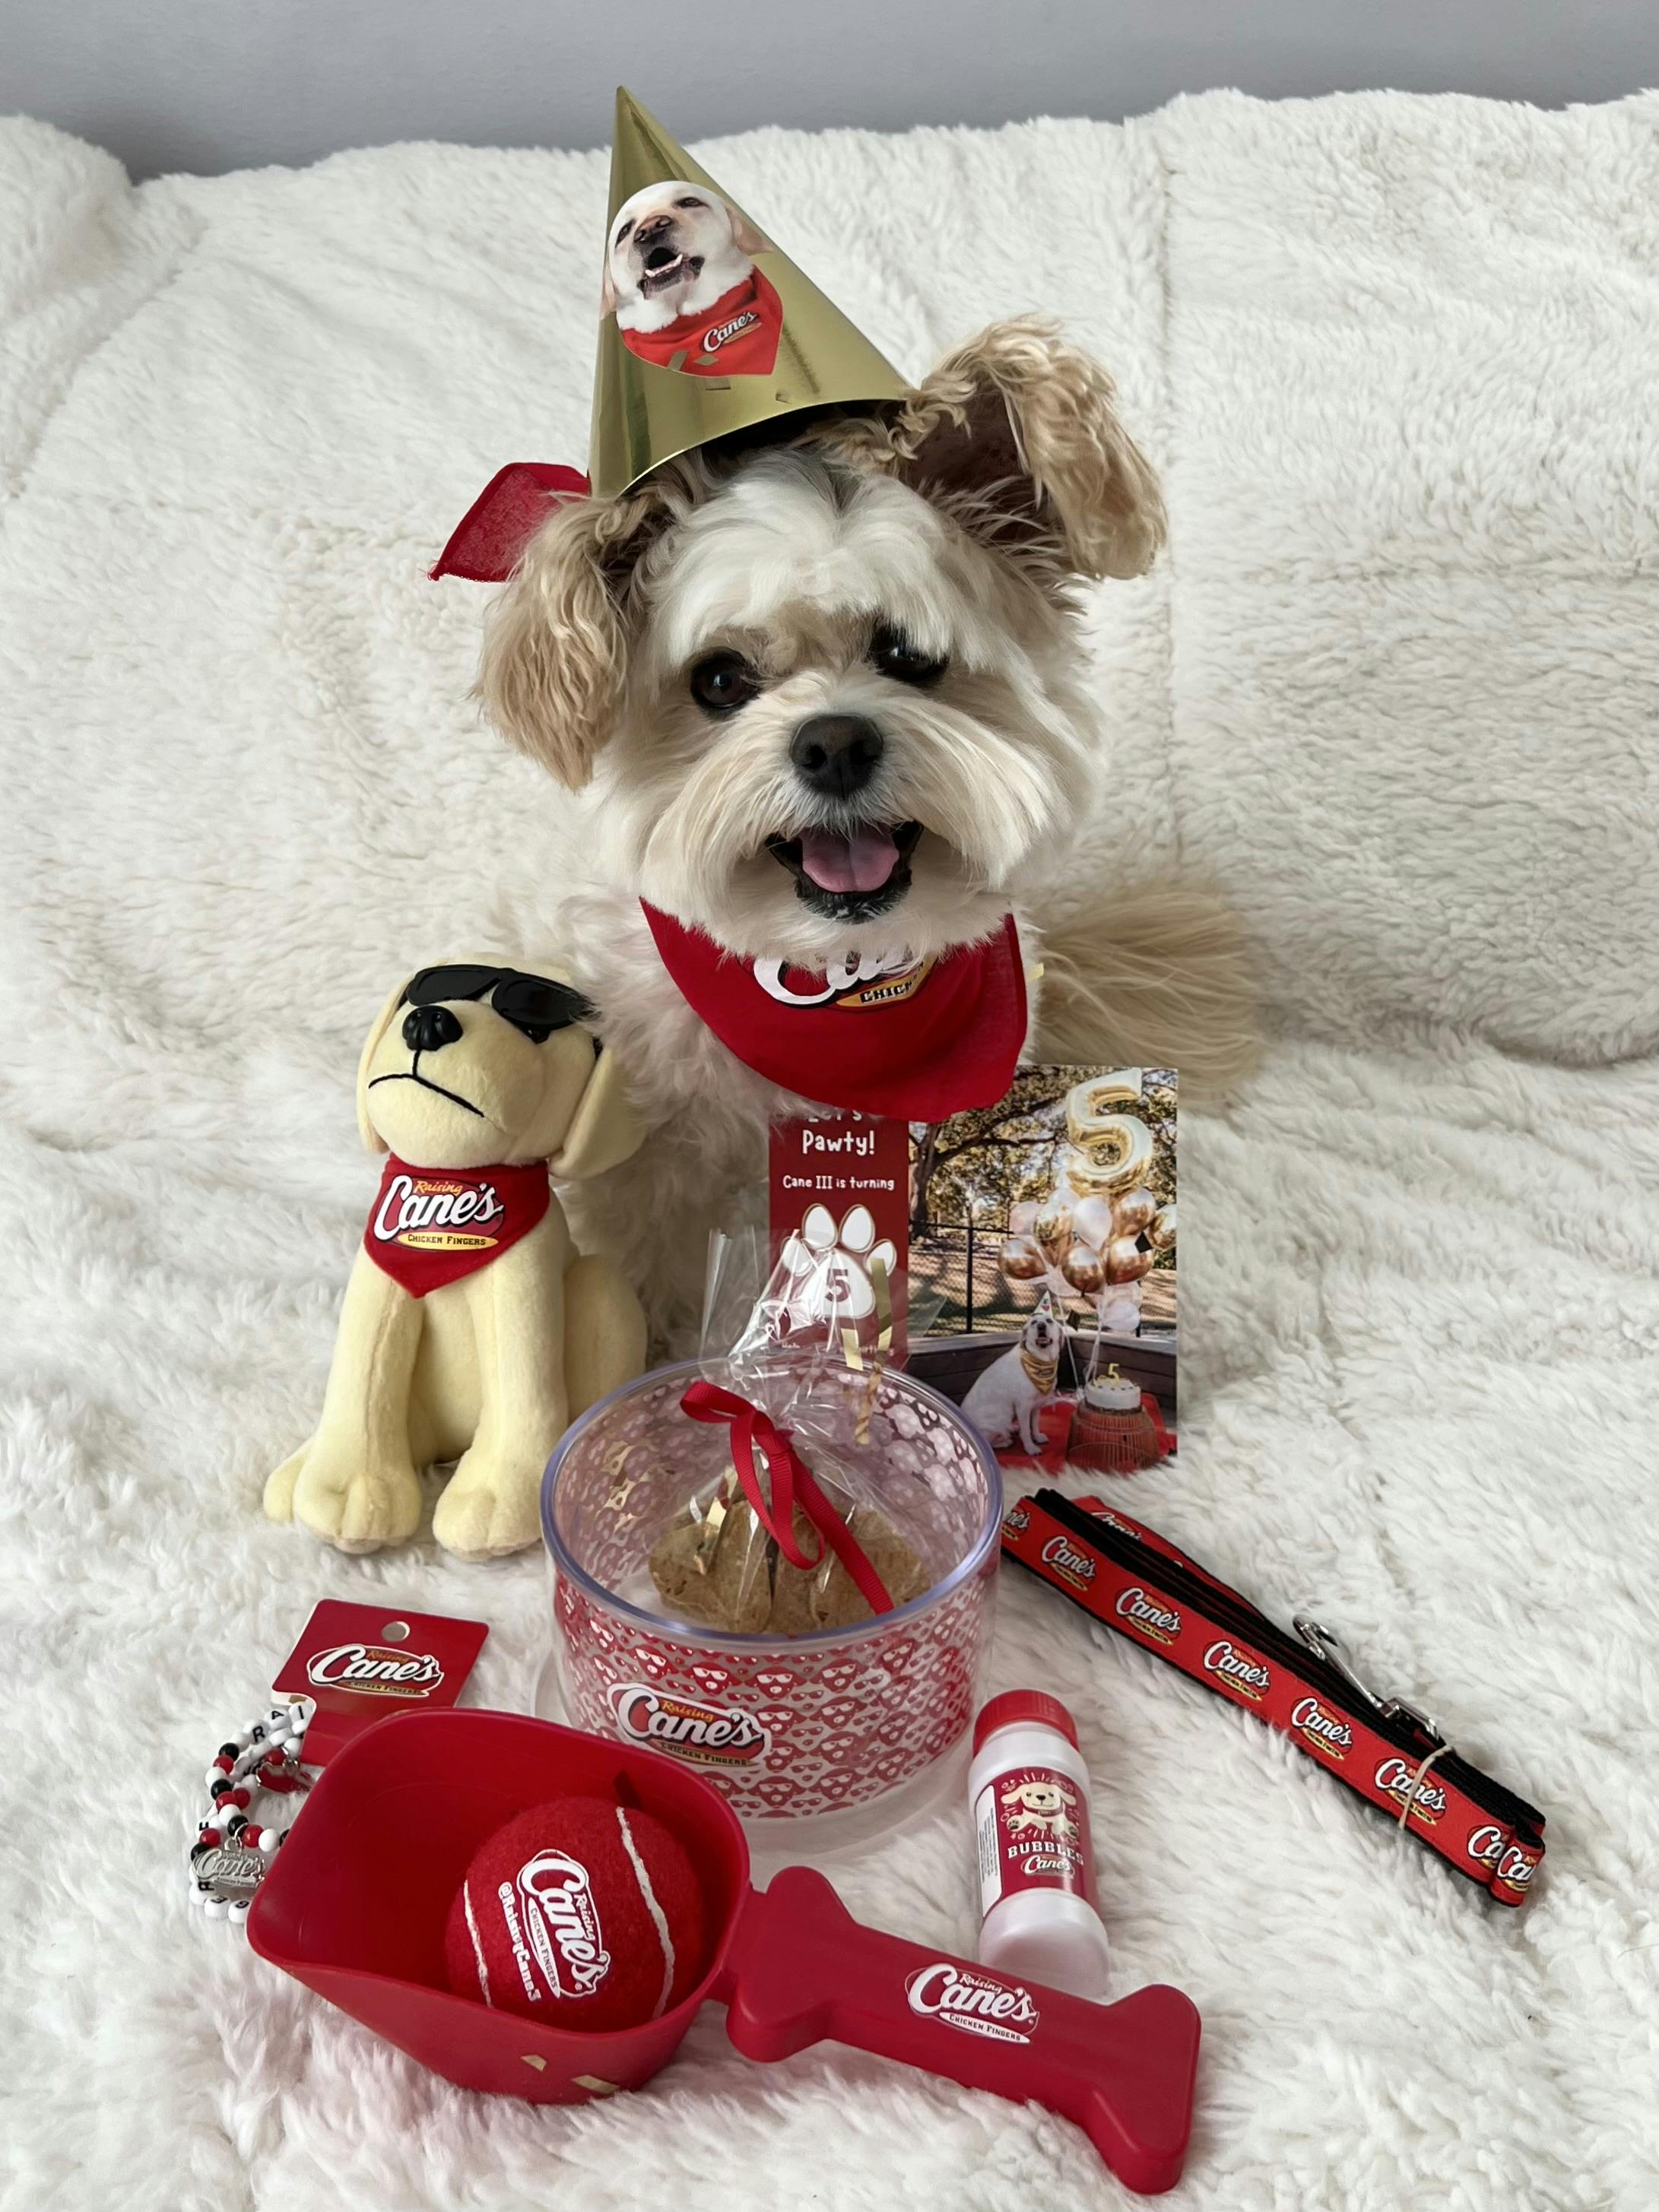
[[819, 1739]]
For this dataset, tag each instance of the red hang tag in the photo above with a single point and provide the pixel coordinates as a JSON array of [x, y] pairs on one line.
[[838, 1209], [363, 1662]]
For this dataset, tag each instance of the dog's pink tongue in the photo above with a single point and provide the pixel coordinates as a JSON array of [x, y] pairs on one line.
[[862, 862]]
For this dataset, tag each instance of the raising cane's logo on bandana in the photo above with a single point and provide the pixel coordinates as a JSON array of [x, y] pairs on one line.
[[737, 337], [916, 1039], [432, 1225]]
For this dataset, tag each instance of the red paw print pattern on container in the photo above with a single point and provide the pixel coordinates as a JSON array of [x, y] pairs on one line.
[[820, 1724]]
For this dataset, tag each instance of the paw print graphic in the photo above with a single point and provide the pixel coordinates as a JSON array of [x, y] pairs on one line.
[[830, 1265]]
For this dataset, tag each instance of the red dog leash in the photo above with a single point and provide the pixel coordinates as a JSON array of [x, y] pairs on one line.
[[1132, 1580]]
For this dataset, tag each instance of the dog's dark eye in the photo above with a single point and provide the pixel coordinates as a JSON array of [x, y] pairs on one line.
[[623, 232], [691, 203], [893, 654], [723, 682]]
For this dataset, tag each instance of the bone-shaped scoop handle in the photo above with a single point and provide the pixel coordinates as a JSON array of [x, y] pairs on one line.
[[801, 1970]]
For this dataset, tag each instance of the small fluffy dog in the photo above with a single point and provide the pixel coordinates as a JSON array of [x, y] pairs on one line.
[[483, 1072], [676, 254], [1005, 1397], [830, 703]]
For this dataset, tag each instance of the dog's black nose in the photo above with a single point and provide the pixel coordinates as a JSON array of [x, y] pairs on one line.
[[836, 755], [653, 228], [428, 1028]]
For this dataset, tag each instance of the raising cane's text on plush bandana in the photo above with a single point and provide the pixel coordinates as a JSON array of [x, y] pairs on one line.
[[737, 337], [432, 1225], [915, 1039]]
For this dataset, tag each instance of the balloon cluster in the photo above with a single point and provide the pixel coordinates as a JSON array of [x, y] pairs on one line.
[[1100, 1229]]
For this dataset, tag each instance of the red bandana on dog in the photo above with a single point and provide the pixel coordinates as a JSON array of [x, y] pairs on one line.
[[917, 1040], [432, 1225], [737, 337]]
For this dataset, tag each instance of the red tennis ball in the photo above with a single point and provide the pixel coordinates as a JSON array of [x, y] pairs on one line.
[[578, 1914]]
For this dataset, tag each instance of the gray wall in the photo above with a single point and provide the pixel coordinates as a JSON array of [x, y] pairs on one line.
[[220, 84]]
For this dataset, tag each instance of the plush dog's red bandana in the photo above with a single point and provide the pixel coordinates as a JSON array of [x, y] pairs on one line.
[[916, 1039], [432, 1225], [737, 337]]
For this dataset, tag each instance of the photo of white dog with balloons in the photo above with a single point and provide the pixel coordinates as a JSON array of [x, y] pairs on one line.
[[1044, 1234]]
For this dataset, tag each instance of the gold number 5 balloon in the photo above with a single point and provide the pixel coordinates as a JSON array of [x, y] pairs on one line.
[[1100, 1230]]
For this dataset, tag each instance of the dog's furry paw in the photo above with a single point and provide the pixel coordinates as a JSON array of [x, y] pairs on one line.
[[278, 1497], [357, 1508], [491, 1505]]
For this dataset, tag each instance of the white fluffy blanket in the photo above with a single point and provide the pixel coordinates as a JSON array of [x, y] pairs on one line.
[[1395, 685]]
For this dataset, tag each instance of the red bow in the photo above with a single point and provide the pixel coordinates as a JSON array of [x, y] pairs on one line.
[[486, 543], [793, 1485]]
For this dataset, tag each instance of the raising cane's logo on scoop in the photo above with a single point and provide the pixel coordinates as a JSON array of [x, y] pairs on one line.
[[979, 2004], [374, 1670], [552, 1919], [708, 1736]]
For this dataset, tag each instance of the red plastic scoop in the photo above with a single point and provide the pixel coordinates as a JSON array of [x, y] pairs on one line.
[[355, 1908]]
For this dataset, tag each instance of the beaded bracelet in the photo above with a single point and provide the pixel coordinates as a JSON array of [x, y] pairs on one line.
[[230, 1853]]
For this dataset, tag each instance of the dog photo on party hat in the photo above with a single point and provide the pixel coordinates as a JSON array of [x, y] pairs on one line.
[[809, 659]]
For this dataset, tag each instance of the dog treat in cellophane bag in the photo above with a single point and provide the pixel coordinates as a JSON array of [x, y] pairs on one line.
[[797, 1534]]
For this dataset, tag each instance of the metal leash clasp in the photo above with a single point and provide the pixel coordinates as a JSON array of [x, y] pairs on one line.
[[1328, 1645]]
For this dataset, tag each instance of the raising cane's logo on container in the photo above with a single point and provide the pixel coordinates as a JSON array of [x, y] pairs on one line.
[[1325, 1731], [708, 1736], [1161, 1623], [374, 1670], [552, 1920], [1238, 1671], [1017, 1518], [1489, 1848], [979, 2004], [1069, 1565], [1426, 1798]]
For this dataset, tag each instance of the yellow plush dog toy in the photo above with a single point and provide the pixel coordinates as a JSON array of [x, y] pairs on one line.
[[472, 1330]]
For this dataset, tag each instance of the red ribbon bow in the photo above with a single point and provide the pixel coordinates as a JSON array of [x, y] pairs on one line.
[[792, 1484]]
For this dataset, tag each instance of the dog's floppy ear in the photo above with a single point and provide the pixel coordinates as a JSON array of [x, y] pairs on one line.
[[555, 644], [745, 236], [603, 1130], [608, 294], [1016, 433], [372, 1140]]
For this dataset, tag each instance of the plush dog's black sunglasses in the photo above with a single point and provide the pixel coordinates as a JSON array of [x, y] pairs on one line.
[[534, 1004]]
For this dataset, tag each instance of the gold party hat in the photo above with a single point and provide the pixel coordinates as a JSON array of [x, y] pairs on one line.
[[706, 328]]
